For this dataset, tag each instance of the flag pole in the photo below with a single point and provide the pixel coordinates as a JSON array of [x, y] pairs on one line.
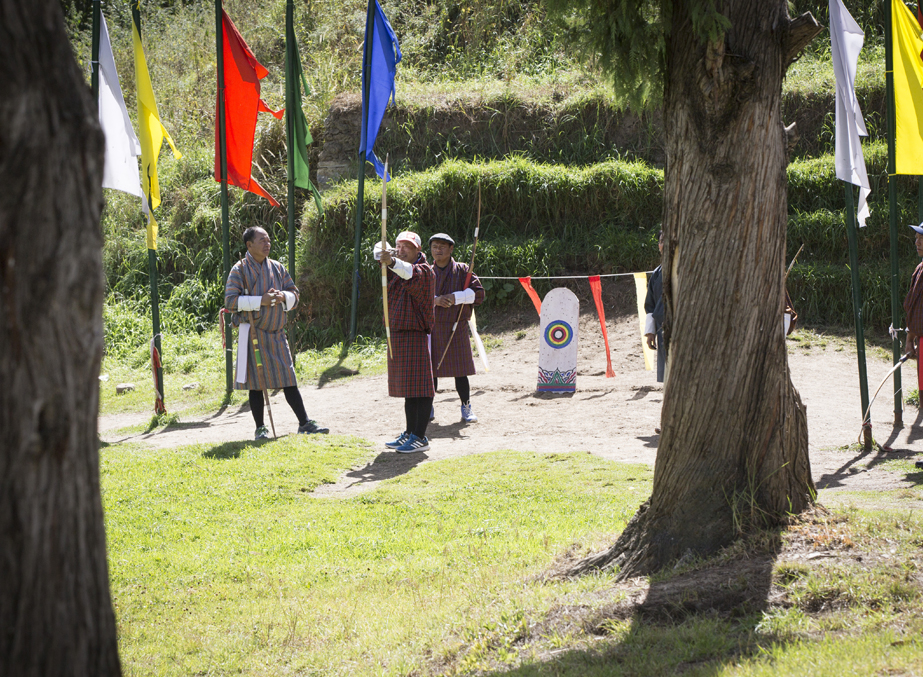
[[152, 253], [892, 207], [290, 140], [852, 238], [94, 58], [366, 67], [223, 168]]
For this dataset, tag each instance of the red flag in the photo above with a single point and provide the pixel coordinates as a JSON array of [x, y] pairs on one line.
[[526, 283], [597, 289], [242, 102]]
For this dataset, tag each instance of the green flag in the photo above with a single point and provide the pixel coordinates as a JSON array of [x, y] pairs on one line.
[[303, 137]]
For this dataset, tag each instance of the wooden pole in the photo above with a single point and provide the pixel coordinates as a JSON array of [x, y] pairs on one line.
[[896, 309], [366, 65], [223, 168], [152, 256], [852, 238], [384, 244]]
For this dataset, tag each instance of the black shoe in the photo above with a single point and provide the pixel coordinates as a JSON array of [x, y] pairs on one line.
[[310, 427]]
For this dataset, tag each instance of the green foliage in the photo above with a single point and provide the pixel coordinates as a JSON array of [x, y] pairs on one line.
[[624, 38], [535, 219]]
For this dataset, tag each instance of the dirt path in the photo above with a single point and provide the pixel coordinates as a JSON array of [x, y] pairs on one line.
[[614, 418]]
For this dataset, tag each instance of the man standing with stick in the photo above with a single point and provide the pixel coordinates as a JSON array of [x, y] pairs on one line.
[[258, 293], [458, 290], [410, 308]]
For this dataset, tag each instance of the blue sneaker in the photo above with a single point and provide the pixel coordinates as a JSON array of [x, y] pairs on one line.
[[403, 437], [413, 445], [262, 433], [468, 415]]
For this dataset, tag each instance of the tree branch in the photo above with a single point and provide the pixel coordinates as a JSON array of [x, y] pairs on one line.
[[801, 31]]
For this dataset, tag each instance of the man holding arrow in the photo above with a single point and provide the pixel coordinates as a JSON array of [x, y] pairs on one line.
[[259, 293], [410, 311], [454, 300]]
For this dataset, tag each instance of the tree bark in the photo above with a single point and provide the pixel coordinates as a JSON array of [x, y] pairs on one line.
[[734, 448], [56, 615]]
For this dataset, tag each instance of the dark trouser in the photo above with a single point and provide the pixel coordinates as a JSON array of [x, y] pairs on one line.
[[461, 386], [292, 396], [417, 409]]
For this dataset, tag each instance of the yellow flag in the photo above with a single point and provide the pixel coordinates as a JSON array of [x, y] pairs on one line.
[[151, 134], [641, 290], [908, 89]]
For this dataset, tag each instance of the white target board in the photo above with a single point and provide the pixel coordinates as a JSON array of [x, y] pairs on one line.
[[557, 342]]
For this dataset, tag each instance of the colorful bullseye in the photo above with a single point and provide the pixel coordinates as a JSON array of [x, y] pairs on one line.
[[558, 334]]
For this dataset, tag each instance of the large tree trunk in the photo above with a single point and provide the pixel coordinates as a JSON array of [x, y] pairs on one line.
[[56, 615], [734, 448]]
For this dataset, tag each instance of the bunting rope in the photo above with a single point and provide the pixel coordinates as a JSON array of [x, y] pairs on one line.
[[561, 277]]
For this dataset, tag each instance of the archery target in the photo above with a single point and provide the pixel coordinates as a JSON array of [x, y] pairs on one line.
[[557, 351], [558, 334]]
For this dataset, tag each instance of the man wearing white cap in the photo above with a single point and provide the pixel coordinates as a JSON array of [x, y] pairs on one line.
[[411, 287], [913, 304]]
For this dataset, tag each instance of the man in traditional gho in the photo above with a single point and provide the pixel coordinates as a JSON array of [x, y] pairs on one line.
[[913, 306], [410, 314], [653, 306], [259, 293], [451, 296]]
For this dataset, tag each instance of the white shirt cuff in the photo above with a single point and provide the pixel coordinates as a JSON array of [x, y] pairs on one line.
[[465, 296], [402, 269], [649, 325], [290, 301], [248, 303]]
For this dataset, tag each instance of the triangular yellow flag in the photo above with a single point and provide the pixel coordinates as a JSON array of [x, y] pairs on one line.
[[151, 134], [908, 90]]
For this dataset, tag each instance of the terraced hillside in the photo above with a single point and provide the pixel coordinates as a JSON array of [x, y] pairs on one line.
[[571, 180]]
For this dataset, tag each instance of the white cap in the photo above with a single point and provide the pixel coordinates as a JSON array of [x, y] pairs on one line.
[[408, 236]]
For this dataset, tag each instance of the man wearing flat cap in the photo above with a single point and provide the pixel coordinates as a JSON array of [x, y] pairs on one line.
[[913, 304], [453, 295], [410, 314]]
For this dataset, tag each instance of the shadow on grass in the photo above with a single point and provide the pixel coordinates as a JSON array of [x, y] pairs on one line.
[[337, 370], [387, 465], [229, 450], [699, 621]]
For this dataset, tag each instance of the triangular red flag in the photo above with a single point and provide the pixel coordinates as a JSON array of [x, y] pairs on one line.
[[526, 283], [242, 102], [597, 289]]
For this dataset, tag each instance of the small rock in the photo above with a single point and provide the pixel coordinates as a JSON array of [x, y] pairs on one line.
[[124, 388], [191, 386]]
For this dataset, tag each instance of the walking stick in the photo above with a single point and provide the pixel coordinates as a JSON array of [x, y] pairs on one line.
[[384, 268], [258, 358], [461, 308]]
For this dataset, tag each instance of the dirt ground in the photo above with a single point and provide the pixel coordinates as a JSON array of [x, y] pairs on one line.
[[614, 418]]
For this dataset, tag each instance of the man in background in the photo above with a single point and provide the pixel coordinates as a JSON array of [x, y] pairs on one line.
[[451, 296], [259, 293]]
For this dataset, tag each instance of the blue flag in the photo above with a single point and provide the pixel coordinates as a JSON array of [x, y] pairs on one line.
[[378, 75]]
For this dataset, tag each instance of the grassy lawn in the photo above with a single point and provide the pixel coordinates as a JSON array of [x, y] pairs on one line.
[[221, 562]]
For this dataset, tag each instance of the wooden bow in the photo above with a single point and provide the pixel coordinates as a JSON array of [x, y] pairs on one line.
[[461, 308], [384, 244]]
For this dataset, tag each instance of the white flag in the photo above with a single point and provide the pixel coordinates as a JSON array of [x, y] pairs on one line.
[[846, 40], [122, 145]]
